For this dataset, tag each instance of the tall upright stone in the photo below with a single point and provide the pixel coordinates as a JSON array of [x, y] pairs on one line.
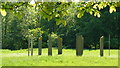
[[59, 45], [79, 45], [40, 46], [109, 44], [49, 45], [28, 46], [31, 46], [82, 47], [101, 45]]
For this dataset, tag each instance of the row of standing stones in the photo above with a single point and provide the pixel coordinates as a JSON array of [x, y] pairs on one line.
[[79, 45]]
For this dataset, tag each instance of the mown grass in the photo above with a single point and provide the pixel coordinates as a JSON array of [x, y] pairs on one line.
[[68, 58]]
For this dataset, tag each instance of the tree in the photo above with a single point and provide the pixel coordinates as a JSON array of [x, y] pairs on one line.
[[91, 19]]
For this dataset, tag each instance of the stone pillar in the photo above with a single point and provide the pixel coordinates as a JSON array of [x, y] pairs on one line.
[[82, 47], [40, 46], [31, 46], [28, 46], [49, 46], [59, 45], [79, 45], [101, 45]]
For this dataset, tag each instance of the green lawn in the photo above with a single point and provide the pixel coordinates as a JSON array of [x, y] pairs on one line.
[[68, 58]]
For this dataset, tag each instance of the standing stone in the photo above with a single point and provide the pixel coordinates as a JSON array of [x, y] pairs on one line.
[[40, 46], [49, 45], [59, 45], [28, 46], [79, 45], [109, 44], [82, 47], [31, 46], [101, 45]]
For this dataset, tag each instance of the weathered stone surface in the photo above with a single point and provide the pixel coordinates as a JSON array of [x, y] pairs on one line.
[[50, 45], [28, 46], [59, 45], [31, 46], [101, 45], [79, 45], [40, 46]]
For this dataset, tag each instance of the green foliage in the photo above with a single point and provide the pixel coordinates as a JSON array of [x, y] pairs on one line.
[[34, 32], [112, 9], [3, 12], [51, 10], [80, 14], [63, 19]]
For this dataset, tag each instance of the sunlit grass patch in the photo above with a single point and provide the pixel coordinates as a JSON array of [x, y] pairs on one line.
[[68, 58]]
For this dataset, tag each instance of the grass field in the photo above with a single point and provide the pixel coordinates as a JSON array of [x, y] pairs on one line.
[[68, 58]]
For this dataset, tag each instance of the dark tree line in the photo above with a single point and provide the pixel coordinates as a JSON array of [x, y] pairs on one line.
[[16, 28]]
